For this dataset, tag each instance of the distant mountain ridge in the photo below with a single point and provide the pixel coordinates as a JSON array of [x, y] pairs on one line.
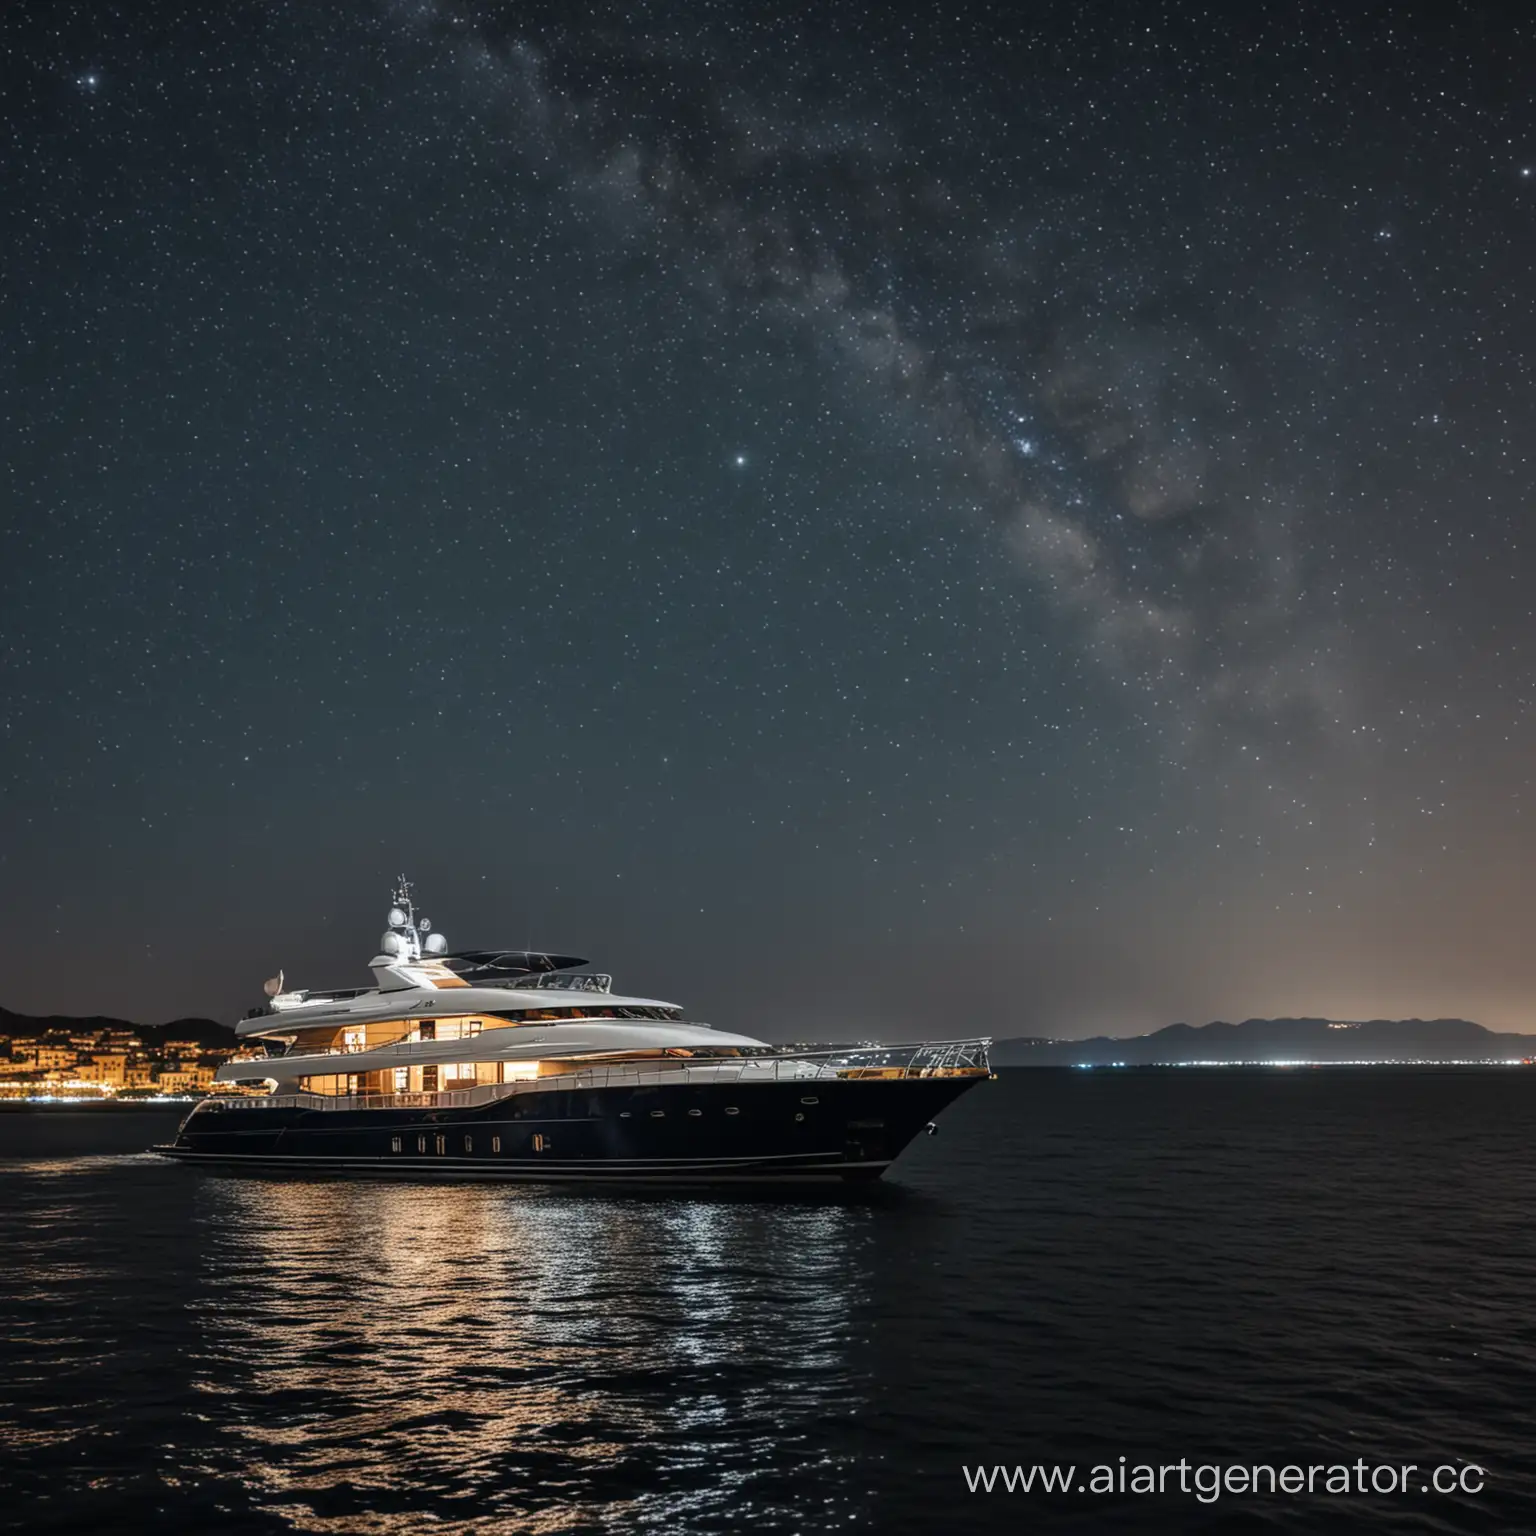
[[30, 1026], [1260, 1040]]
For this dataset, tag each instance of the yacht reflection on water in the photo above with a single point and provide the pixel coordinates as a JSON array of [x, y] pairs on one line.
[[545, 1364], [507, 1064]]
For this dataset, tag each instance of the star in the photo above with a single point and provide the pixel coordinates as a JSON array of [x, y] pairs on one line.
[[1085, 496]]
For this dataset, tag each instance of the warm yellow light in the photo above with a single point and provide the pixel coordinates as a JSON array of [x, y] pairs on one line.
[[518, 1071]]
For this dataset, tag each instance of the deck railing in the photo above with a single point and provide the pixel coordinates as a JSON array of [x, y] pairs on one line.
[[562, 981], [933, 1058]]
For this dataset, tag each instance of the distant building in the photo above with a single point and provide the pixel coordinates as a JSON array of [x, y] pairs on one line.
[[54, 1055], [139, 1072], [193, 1078], [107, 1067], [57, 1083]]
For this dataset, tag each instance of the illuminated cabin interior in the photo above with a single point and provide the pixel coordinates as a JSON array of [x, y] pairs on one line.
[[445, 1077]]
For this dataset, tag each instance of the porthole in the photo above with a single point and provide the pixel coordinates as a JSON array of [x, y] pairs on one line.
[[810, 1101], [695, 1112], [624, 1114], [495, 1143], [394, 1143], [732, 1110], [798, 1115], [658, 1114]]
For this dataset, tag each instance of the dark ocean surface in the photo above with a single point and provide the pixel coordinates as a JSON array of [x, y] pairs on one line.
[[1250, 1268]]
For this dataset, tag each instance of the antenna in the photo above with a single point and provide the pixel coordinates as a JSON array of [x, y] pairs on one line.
[[409, 937]]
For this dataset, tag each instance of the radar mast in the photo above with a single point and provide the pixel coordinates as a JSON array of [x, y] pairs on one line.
[[409, 938]]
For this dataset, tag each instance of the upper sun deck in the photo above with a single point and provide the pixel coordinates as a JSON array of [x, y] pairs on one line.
[[291, 1004], [507, 1004], [416, 974]]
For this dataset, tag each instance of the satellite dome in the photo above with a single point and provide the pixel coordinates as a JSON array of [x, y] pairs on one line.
[[437, 943], [396, 918], [393, 944]]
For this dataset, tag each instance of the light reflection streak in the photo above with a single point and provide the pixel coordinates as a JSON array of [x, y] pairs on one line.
[[521, 1359]]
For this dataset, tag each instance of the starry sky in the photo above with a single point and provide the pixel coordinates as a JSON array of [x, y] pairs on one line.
[[862, 519]]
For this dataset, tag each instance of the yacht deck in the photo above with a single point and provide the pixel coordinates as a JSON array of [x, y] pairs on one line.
[[928, 1059]]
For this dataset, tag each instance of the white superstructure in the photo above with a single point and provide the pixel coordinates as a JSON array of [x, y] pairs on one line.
[[490, 1015]]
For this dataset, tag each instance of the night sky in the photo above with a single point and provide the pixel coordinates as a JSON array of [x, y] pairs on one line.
[[860, 519]]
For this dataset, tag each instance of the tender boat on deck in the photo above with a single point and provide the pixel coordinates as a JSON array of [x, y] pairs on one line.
[[508, 1064]]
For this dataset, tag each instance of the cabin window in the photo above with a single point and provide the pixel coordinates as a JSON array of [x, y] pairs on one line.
[[810, 1101], [469, 1143], [733, 1110], [495, 1143], [402, 1079], [442, 1143], [421, 1143], [394, 1143], [624, 1114], [429, 1079], [539, 1143], [695, 1111], [658, 1114]]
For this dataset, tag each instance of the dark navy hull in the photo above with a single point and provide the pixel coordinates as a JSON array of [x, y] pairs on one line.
[[696, 1132]]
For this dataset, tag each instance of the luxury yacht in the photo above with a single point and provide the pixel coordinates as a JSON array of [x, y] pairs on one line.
[[507, 1064]]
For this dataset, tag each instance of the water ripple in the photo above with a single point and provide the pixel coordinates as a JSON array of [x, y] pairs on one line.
[[1235, 1269]]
